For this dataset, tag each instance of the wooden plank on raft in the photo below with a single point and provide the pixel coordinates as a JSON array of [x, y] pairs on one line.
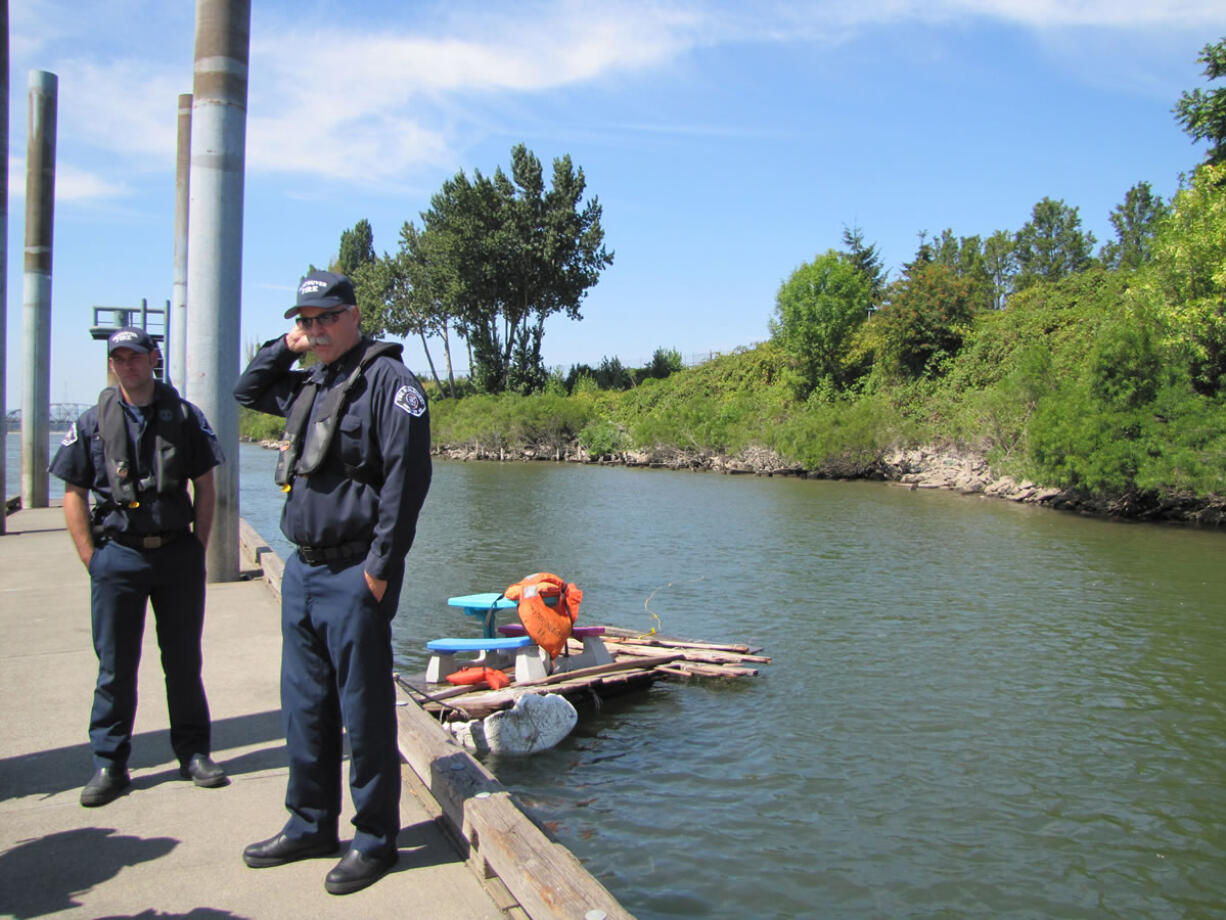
[[479, 704], [616, 634], [545, 878], [694, 669], [711, 657]]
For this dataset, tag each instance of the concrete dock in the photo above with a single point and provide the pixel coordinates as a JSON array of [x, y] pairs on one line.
[[168, 848]]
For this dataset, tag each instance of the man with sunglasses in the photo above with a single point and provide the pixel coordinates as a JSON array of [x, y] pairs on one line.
[[355, 464]]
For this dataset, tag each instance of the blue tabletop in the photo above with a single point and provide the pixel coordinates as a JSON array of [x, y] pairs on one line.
[[477, 604], [485, 606]]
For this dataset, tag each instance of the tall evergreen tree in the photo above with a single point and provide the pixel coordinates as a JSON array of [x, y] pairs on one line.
[[866, 260], [1202, 114], [357, 248], [1052, 245], [1135, 222]]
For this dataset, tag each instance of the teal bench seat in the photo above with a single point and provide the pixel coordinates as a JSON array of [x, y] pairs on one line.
[[529, 658]]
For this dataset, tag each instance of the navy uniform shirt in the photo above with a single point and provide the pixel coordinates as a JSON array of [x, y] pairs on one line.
[[79, 462], [383, 433]]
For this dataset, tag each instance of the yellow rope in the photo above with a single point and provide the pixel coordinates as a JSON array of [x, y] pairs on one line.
[[647, 604]]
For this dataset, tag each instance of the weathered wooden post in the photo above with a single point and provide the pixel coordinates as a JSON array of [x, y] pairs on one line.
[[176, 315], [215, 240], [36, 286]]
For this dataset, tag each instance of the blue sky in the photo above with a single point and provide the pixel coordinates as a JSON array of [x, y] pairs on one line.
[[727, 142]]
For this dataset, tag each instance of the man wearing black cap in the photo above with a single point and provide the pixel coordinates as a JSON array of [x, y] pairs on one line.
[[355, 462], [144, 542]]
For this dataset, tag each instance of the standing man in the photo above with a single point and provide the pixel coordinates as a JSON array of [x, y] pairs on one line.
[[355, 460], [144, 542]]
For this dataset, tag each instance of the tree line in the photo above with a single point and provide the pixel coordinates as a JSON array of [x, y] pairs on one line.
[[1095, 368], [842, 323]]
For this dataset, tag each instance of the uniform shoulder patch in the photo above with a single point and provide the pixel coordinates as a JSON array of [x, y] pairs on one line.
[[410, 400], [71, 437]]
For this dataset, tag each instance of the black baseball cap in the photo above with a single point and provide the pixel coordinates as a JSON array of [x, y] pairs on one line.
[[323, 289], [132, 337]]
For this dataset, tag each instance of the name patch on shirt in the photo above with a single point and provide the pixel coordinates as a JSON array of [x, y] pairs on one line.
[[71, 437], [412, 402]]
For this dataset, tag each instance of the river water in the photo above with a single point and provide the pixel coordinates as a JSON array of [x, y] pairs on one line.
[[975, 709]]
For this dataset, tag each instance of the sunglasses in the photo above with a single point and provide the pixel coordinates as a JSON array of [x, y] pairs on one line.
[[323, 319]]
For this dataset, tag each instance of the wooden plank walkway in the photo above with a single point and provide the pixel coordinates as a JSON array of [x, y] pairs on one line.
[[170, 849]]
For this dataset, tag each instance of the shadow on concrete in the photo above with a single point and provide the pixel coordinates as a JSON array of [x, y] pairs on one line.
[[64, 768], [422, 845], [197, 913], [67, 864]]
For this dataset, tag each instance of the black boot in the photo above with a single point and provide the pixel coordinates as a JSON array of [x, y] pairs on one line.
[[105, 786], [279, 850], [357, 870]]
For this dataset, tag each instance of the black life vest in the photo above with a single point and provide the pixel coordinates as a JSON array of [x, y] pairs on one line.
[[303, 449], [125, 478]]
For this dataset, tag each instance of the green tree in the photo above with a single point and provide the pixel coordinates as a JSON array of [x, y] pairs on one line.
[[1000, 263], [516, 254], [1135, 222], [926, 317], [965, 256], [1201, 114], [421, 293], [664, 363], [866, 259], [817, 310], [1051, 244], [1188, 275], [357, 248]]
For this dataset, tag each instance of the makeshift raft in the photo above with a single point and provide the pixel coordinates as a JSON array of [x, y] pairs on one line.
[[638, 662]]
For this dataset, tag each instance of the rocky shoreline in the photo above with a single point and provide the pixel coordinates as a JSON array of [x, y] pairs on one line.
[[957, 470]]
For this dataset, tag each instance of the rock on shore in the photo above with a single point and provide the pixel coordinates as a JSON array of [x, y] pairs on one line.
[[955, 469]]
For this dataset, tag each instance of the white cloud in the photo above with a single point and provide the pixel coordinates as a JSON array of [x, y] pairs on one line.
[[380, 106], [126, 106], [378, 101], [71, 183]]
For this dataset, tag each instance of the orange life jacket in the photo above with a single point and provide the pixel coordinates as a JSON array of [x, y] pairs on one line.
[[548, 626], [475, 675]]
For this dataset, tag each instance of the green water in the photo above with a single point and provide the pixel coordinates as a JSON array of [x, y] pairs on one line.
[[975, 709]]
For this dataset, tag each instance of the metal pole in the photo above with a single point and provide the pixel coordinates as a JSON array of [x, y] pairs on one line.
[[4, 248], [36, 286], [176, 315], [215, 262]]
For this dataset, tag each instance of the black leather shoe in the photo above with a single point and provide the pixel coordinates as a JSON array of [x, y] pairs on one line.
[[203, 772], [105, 786], [279, 850], [357, 870]]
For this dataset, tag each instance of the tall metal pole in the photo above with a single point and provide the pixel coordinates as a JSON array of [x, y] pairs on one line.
[[176, 316], [215, 235], [36, 286], [4, 248]]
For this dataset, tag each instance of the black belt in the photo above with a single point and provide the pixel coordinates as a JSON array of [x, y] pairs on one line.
[[318, 555], [146, 541]]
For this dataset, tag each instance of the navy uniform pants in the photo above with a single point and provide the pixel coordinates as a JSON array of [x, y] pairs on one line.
[[336, 670], [122, 581]]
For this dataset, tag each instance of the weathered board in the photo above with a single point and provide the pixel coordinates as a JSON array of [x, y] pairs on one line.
[[638, 661]]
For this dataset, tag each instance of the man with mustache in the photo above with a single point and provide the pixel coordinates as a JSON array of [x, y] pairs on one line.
[[355, 462]]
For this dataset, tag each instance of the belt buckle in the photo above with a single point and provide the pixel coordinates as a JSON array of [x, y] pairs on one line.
[[154, 542]]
